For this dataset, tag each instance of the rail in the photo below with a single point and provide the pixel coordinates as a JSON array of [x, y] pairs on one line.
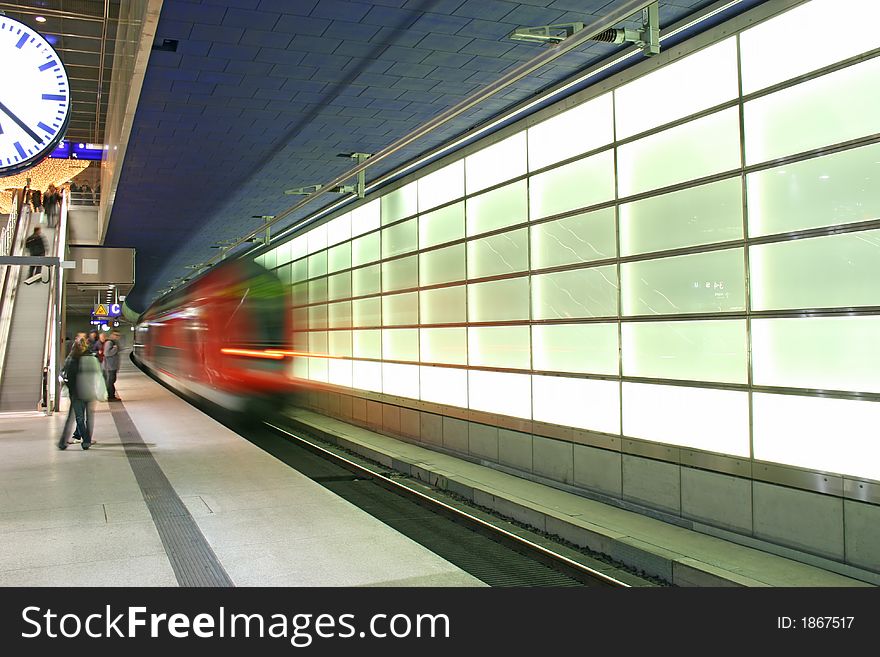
[[53, 346], [14, 235]]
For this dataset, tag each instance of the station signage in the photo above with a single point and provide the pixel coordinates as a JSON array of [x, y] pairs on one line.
[[107, 310]]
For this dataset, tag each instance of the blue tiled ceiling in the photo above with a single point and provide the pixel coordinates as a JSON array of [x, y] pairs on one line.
[[261, 96]]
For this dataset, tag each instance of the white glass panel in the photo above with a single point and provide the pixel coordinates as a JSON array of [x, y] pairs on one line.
[[367, 376], [497, 301], [446, 305], [284, 274], [441, 186], [299, 247], [506, 253], [687, 86], [339, 286], [300, 270], [267, 260], [496, 163], [444, 345], [400, 239], [318, 264], [340, 372], [365, 249], [365, 218], [579, 293], [571, 240], [339, 257], [836, 189], [400, 344], [367, 344], [697, 215], [301, 368], [820, 272], [444, 385], [300, 337], [443, 225], [587, 348], [318, 343], [282, 254], [442, 266], [830, 435], [764, 63], [826, 353], [500, 392], [318, 290], [339, 343], [698, 351], [699, 148], [400, 203], [400, 380], [400, 309], [339, 315], [582, 403], [318, 369], [499, 208], [698, 283], [712, 420], [339, 229], [400, 274], [367, 312], [830, 109], [578, 130], [318, 317], [317, 238], [300, 294], [575, 185], [366, 280], [499, 346], [301, 320]]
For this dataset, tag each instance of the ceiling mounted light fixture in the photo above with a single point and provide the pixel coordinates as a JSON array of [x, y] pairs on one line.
[[40, 19]]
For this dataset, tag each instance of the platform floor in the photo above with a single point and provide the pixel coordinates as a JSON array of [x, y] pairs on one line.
[[79, 518]]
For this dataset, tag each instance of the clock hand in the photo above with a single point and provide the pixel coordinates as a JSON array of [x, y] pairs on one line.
[[21, 123]]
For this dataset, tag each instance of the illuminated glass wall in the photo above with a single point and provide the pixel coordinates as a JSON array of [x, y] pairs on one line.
[[692, 258]]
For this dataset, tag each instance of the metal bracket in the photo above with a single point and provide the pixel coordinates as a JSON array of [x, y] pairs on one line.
[[359, 188], [545, 34]]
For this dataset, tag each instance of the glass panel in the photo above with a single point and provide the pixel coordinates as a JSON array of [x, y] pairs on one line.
[[318, 317], [318, 343], [284, 274], [400, 309], [400, 203], [367, 312], [698, 283], [318, 264], [339, 229], [339, 314], [367, 344], [367, 376], [698, 351], [400, 274], [501, 207], [365, 249], [339, 257], [317, 238], [282, 254], [443, 225], [401, 238], [713, 420], [301, 368], [578, 130], [498, 301], [830, 109], [571, 240], [340, 372], [268, 259], [819, 272], [318, 290], [687, 86], [496, 163], [339, 286], [444, 345], [444, 385], [506, 253], [301, 338], [824, 353], [442, 266], [576, 185], [563, 348], [366, 280], [365, 218], [300, 293], [441, 186], [500, 392], [764, 63], [400, 344], [699, 148], [499, 346], [300, 270], [339, 343], [835, 189], [447, 305], [697, 215], [299, 247], [580, 293], [830, 435], [400, 380], [582, 403], [301, 319], [318, 369]]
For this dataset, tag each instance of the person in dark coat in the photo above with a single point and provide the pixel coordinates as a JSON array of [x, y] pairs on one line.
[[72, 373], [52, 203], [36, 246], [111, 365]]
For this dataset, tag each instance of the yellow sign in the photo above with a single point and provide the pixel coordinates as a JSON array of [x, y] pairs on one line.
[[101, 310]]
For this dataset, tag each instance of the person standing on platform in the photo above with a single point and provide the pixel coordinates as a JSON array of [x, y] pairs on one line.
[[111, 365], [36, 246], [77, 380], [93, 343]]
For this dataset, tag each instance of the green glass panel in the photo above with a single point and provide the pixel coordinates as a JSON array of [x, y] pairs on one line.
[[444, 345], [445, 305], [442, 266], [365, 249], [339, 315], [400, 344], [318, 317], [339, 257], [585, 348], [506, 253], [446, 184], [400, 203], [579, 293], [496, 301], [571, 240], [367, 344], [339, 286], [499, 346], [367, 312], [400, 274], [400, 239], [443, 225], [400, 309], [318, 290], [575, 185], [499, 208], [366, 280], [496, 163]]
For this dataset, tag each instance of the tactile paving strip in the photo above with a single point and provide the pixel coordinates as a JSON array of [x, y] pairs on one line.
[[192, 559]]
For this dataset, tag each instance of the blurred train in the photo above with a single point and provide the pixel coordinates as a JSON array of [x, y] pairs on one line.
[[224, 337]]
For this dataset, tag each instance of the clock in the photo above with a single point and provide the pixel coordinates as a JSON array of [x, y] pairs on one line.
[[34, 97]]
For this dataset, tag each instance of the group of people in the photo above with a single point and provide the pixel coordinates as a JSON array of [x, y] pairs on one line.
[[48, 201], [90, 373]]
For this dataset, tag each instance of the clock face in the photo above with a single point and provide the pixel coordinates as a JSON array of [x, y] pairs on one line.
[[34, 97]]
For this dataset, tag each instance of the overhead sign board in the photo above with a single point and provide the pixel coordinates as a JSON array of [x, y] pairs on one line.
[[105, 310]]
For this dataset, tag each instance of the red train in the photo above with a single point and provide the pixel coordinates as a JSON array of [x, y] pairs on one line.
[[225, 337]]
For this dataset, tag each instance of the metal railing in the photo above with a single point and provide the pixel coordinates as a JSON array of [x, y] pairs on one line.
[[53, 347], [16, 231]]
